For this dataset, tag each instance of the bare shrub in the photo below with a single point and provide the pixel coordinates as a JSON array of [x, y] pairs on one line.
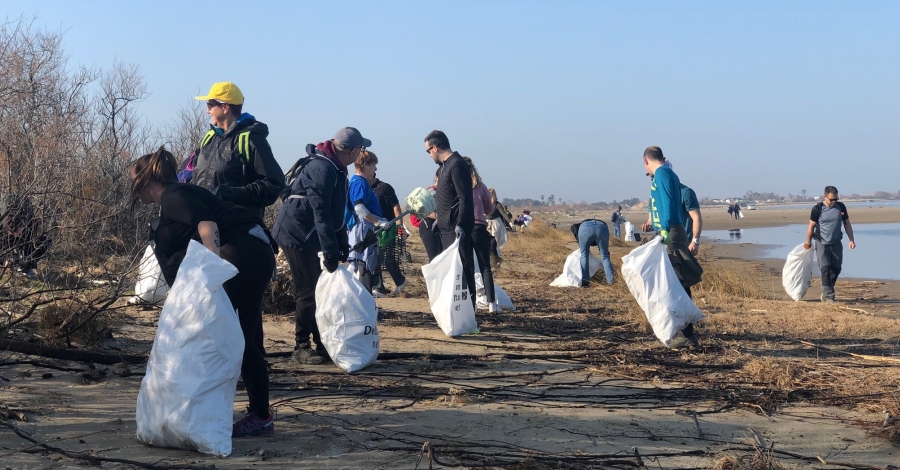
[[67, 137]]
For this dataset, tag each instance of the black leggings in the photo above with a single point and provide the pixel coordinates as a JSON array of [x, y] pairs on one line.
[[255, 262], [481, 241], [431, 238]]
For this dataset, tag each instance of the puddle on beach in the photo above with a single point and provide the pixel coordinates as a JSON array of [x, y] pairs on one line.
[[875, 256]]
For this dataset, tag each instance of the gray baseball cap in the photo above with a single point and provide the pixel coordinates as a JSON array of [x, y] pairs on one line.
[[349, 137]]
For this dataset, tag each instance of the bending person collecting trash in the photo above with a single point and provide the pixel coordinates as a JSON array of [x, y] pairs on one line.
[[455, 211], [312, 220], [189, 212], [590, 232], [825, 223], [667, 218]]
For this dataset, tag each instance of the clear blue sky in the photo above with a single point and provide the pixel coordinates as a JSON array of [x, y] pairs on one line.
[[547, 97]]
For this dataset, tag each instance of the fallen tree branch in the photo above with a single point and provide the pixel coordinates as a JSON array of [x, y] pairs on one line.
[[94, 459], [35, 349]]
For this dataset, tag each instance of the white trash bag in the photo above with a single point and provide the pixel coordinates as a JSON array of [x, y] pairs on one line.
[[796, 277], [186, 399], [347, 318], [151, 286], [450, 303], [503, 300], [571, 275], [629, 231], [653, 283]]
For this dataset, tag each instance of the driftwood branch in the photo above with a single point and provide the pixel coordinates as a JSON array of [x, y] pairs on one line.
[[34, 349]]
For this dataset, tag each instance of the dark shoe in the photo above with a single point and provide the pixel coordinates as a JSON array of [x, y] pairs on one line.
[[305, 355], [585, 283], [693, 339], [252, 425], [323, 353]]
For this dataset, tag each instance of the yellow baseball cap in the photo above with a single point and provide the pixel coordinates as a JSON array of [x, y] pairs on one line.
[[225, 92]]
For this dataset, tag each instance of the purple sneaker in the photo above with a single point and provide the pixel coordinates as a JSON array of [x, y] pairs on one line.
[[252, 425]]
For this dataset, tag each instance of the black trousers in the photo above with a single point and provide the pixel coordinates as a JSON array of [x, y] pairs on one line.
[[481, 241], [468, 261], [387, 257], [305, 271], [831, 259], [255, 261], [366, 278], [431, 238], [682, 266]]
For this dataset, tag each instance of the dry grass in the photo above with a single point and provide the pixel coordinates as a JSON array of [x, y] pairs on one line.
[[782, 374], [64, 322], [759, 460], [734, 280]]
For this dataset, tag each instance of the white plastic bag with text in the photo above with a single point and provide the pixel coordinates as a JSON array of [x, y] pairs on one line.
[[450, 303], [186, 399], [347, 318]]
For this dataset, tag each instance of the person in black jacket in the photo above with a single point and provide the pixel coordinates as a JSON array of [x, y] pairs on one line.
[[189, 212], [310, 221], [235, 161], [455, 210]]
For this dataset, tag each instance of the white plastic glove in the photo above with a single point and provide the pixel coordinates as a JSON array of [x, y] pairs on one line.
[[383, 224]]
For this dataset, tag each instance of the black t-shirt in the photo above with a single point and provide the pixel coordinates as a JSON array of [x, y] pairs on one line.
[[182, 208], [387, 198]]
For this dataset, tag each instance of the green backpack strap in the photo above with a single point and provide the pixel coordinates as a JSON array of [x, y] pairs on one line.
[[206, 138], [243, 147], [243, 144]]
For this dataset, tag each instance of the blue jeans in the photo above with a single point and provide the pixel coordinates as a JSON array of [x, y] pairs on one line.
[[594, 232], [616, 231]]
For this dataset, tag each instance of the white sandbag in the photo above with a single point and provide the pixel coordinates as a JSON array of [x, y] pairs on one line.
[[186, 399], [503, 300], [347, 318], [571, 275], [653, 283], [450, 303], [151, 286], [629, 231], [796, 277]]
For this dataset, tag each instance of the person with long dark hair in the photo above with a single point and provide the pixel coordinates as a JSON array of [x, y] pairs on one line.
[[190, 212], [481, 239]]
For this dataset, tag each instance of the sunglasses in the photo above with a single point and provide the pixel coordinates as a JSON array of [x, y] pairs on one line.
[[428, 150], [832, 199], [213, 104]]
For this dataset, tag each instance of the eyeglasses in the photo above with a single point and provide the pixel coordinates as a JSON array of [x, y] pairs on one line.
[[428, 150], [832, 199], [212, 104]]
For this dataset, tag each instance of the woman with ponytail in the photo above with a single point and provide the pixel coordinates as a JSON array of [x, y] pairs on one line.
[[481, 239], [190, 212]]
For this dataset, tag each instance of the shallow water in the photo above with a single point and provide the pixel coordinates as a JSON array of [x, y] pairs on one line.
[[877, 254], [809, 205]]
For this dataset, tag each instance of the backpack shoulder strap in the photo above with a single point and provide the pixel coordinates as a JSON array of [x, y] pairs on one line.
[[243, 146], [207, 137], [291, 175]]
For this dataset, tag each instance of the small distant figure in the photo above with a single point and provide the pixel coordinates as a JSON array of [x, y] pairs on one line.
[[730, 212], [737, 211], [617, 219], [21, 243]]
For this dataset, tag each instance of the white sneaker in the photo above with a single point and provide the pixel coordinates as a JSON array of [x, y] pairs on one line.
[[400, 288], [495, 308], [377, 295]]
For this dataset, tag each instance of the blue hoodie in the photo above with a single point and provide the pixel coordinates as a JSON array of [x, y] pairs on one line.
[[665, 199]]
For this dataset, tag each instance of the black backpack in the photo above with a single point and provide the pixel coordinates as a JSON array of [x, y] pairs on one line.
[[291, 175]]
